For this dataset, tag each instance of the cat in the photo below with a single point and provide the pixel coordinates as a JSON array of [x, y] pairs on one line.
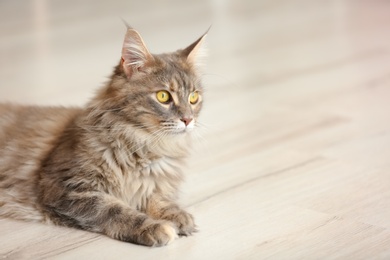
[[114, 166]]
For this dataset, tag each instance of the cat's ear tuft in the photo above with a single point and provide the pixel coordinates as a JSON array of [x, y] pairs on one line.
[[196, 51], [135, 55]]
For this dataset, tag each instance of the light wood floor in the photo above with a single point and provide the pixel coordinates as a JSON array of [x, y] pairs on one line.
[[295, 159]]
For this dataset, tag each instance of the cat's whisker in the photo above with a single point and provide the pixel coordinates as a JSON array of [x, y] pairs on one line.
[[199, 137], [207, 126], [158, 139], [154, 136]]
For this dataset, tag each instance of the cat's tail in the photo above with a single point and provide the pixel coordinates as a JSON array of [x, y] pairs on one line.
[[18, 211], [18, 199]]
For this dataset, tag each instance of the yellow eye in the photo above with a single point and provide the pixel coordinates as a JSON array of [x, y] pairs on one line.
[[163, 96], [194, 97]]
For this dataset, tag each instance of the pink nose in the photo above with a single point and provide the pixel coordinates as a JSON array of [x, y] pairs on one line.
[[186, 121]]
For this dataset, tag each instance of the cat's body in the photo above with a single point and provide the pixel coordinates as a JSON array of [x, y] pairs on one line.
[[113, 167], [27, 135]]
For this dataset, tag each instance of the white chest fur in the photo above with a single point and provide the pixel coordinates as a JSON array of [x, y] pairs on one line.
[[161, 175], [136, 179]]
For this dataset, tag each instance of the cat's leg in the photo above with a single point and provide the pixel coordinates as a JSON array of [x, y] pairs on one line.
[[159, 207], [99, 212]]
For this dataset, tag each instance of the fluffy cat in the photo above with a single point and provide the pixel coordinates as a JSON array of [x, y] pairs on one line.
[[114, 166]]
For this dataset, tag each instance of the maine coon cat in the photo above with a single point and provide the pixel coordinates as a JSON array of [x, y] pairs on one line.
[[115, 165]]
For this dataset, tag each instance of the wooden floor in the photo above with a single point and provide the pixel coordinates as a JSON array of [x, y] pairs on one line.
[[295, 160]]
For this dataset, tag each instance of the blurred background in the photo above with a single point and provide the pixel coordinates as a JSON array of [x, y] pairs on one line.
[[55, 52], [51, 50], [295, 158]]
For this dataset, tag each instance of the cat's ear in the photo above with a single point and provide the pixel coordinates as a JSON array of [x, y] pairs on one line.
[[196, 50], [135, 55]]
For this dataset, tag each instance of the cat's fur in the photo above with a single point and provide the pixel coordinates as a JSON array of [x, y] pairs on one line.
[[114, 166]]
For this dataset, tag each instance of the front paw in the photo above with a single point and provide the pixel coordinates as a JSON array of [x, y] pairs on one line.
[[183, 221], [157, 234]]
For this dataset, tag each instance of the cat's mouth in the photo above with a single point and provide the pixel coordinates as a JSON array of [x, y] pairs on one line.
[[180, 127]]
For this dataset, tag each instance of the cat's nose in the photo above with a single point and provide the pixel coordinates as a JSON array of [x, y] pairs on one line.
[[186, 120]]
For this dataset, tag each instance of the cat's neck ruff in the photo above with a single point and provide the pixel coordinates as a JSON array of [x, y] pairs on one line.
[[142, 143]]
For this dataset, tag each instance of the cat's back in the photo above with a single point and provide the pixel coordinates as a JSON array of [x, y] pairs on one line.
[[28, 128], [27, 135]]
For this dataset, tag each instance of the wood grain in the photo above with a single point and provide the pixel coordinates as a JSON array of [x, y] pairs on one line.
[[294, 157]]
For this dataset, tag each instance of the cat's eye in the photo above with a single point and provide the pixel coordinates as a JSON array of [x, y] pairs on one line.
[[163, 96], [194, 97]]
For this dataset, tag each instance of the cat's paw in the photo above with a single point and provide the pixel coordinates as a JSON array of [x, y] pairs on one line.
[[184, 222], [158, 234]]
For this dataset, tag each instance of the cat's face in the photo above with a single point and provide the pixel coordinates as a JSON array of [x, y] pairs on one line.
[[159, 94], [174, 98], [168, 100]]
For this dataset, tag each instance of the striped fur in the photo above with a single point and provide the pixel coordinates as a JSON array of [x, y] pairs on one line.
[[114, 166]]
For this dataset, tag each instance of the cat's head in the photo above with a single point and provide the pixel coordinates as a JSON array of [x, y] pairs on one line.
[[159, 94]]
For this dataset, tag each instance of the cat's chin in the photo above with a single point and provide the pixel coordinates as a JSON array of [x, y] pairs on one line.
[[184, 131]]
